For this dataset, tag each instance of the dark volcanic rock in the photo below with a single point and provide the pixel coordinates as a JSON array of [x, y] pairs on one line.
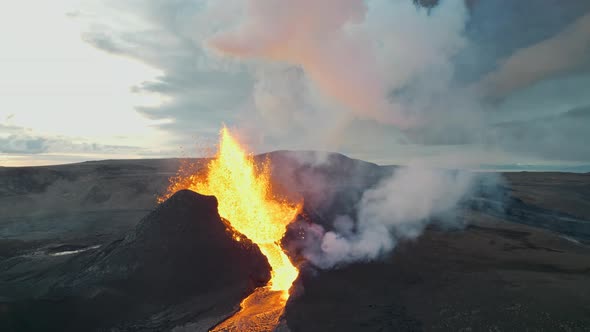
[[491, 276], [179, 249], [179, 253], [359, 297], [180, 268]]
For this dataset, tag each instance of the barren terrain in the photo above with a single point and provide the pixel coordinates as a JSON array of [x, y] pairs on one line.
[[90, 236]]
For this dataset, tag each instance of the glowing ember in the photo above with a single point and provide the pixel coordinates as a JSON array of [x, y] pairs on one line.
[[245, 198]]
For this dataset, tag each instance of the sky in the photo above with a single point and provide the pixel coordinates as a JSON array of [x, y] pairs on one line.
[[499, 83]]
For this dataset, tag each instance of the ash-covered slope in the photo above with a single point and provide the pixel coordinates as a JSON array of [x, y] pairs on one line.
[[178, 265]]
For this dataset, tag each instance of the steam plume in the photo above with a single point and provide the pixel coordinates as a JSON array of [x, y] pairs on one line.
[[399, 207], [323, 37], [297, 46]]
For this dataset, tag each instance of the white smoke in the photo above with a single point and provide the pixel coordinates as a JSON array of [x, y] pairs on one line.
[[323, 67], [399, 207], [320, 37]]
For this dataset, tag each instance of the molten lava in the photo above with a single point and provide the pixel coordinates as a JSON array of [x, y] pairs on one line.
[[246, 200]]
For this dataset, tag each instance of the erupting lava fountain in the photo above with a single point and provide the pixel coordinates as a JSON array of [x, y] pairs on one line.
[[247, 202]]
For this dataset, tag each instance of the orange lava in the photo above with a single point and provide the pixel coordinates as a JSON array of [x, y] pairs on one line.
[[260, 311], [246, 200]]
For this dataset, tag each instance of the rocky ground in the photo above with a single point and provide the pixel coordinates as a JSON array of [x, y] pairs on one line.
[[85, 247]]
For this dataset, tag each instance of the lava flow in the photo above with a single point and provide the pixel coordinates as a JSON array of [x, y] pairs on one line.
[[246, 201]]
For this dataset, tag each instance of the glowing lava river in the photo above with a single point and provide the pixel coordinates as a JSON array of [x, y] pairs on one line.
[[246, 201]]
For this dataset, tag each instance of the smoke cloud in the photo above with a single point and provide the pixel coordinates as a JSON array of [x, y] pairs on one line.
[[326, 64], [339, 50], [399, 207], [324, 38], [325, 71]]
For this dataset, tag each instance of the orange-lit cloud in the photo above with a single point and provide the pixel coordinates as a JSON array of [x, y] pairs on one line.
[[324, 39]]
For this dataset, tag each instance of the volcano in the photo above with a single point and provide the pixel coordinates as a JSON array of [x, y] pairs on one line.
[[180, 269], [180, 264]]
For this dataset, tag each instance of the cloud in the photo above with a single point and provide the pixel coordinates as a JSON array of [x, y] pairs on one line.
[[20, 144], [557, 137], [25, 144], [19, 140], [200, 92], [377, 79], [103, 42], [7, 128], [559, 54]]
